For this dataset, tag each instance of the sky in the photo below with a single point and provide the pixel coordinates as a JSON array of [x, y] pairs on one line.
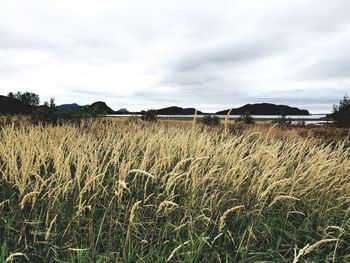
[[211, 55]]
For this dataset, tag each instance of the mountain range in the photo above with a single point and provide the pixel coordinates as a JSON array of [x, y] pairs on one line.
[[14, 106]]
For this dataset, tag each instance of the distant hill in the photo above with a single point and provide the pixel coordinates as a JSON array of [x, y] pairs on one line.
[[98, 107], [191, 111], [68, 107], [122, 111], [265, 109], [174, 110], [13, 106]]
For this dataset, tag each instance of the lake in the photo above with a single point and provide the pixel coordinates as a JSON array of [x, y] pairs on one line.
[[293, 117]]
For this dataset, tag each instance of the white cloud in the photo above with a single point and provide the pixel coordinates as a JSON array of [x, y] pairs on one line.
[[206, 54]]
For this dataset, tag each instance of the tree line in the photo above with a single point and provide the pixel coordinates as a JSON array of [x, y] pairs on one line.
[[31, 99]]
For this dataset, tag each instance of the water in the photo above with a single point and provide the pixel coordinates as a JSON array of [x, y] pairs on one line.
[[268, 117]]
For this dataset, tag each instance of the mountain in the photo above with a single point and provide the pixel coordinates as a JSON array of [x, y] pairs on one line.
[[13, 106], [68, 107], [191, 111], [265, 109], [174, 110], [98, 107], [122, 111]]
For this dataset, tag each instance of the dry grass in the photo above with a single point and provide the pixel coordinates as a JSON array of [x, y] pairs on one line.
[[136, 192]]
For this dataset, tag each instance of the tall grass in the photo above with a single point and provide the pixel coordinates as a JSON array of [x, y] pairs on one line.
[[113, 191]]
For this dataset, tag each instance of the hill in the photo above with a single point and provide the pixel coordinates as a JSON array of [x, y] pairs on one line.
[[68, 107], [174, 110], [98, 107], [13, 106], [265, 109], [122, 111]]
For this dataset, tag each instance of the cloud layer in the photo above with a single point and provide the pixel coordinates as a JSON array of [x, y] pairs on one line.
[[207, 54]]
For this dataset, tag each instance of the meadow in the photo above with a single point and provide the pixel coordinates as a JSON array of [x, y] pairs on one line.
[[127, 191]]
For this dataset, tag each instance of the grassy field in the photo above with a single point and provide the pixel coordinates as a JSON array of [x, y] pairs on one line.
[[121, 191]]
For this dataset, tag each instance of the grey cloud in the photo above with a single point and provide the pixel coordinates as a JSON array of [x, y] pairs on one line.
[[329, 68], [223, 56], [212, 54]]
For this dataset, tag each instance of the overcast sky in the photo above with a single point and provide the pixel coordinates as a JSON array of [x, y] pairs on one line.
[[211, 55]]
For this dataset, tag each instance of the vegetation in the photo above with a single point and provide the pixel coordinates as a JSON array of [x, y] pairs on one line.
[[341, 113], [246, 118], [49, 115], [283, 121], [210, 120], [301, 123], [149, 115], [28, 98], [152, 192], [50, 104]]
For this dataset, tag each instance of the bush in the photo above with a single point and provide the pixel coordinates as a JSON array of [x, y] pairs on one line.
[[301, 123], [283, 121], [246, 118], [210, 120], [149, 115], [341, 113], [44, 114], [47, 115]]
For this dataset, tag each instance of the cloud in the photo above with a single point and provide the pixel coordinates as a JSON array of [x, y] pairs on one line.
[[145, 54]]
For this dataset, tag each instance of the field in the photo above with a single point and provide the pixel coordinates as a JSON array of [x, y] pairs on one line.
[[124, 191]]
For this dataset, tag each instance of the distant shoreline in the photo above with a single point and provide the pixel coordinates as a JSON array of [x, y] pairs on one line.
[[263, 117]]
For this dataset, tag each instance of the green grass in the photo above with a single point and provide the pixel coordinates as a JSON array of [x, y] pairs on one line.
[[113, 191]]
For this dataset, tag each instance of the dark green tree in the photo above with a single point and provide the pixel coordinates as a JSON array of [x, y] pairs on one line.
[[11, 95], [52, 104], [341, 113], [28, 98]]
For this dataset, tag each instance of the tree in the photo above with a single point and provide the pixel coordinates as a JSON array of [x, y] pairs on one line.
[[52, 103], [28, 98], [341, 113], [149, 115]]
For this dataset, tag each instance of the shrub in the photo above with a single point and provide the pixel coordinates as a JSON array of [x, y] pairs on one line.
[[246, 118], [283, 121], [44, 114], [149, 115], [48, 115], [301, 123], [210, 120]]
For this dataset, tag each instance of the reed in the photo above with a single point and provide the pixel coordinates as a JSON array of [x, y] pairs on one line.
[[111, 190]]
